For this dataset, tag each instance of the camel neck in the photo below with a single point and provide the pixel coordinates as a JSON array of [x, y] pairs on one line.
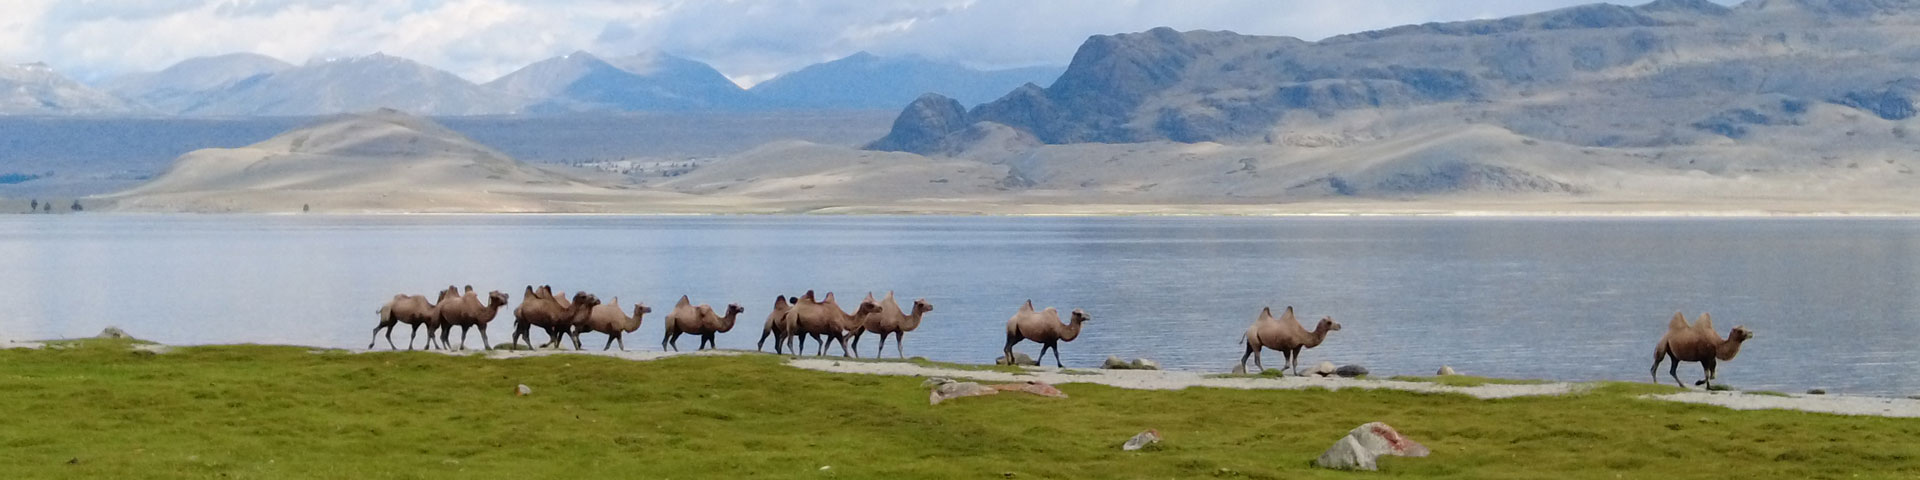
[[1727, 350]]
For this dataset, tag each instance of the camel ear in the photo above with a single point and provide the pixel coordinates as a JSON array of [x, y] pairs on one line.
[[870, 296], [1028, 307]]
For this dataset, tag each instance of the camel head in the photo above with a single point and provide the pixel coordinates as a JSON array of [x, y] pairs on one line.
[[867, 307], [1740, 334], [585, 300], [469, 289], [1080, 316], [921, 305], [1328, 325], [496, 299], [734, 309]]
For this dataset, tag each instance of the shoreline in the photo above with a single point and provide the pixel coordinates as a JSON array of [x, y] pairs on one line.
[[1837, 404]]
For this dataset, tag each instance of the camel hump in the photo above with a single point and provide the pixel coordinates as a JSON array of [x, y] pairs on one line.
[[1028, 307], [1288, 316], [1705, 323], [889, 294], [1266, 312], [684, 301], [779, 301], [1679, 322], [829, 298]]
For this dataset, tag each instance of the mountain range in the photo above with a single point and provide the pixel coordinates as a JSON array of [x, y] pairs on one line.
[[245, 84]]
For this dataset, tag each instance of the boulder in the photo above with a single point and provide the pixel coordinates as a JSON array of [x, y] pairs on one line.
[[1350, 371], [113, 333], [1144, 439], [1145, 364], [1240, 369], [1019, 359], [1817, 391], [522, 390], [1366, 443], [1114, 362], [1325, 369], [1444, 371]]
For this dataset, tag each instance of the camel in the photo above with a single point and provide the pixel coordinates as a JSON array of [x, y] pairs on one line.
[[609, 319], [547, 313], [412, 310], [825, 319], [467, 312], [698, 320], [1284, 334], [889, 319], [1696, 343], [1043, 327], [434, 325], [775, 328]]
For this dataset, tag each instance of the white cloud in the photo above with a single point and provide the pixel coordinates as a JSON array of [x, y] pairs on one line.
[[749, 40]]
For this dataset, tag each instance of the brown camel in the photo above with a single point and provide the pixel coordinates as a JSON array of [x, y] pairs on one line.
[[1043, 327], [1696, 343], [546, 312], [467, 312], [609, 319], [825, 320], [434, 325], [889, 319], [775, 328], [413, 310], [698, 320], [1284, 334]]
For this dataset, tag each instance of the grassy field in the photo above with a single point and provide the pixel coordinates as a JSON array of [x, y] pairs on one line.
[[100, 410]]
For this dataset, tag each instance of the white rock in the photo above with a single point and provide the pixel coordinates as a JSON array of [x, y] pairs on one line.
[[1325, 369], [1362, 445], [522, 391], [1140, 441], [1444, 371], [1114, 362], [1145, 364], [1240, 369]]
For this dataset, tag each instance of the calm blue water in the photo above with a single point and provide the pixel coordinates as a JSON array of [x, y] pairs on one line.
[[1832, 301]]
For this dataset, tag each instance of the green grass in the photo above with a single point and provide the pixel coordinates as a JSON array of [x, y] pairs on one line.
[[98, 410], [1465, 380]]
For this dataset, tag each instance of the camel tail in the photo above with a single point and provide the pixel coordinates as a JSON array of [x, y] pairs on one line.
[[385, 311], [1659, 353]]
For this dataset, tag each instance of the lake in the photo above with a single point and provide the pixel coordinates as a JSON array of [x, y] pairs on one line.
[[1831, 301]]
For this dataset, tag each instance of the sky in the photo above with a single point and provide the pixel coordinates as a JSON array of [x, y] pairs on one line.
[[748, 40]]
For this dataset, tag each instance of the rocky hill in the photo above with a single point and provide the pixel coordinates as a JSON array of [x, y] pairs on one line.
[[1671, 72]]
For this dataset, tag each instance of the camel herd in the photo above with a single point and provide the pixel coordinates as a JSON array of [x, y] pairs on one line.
[[795, 319]]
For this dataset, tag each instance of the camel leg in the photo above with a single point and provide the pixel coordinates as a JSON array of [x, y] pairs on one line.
[[446, 333], [844, 352], [483, 338], [1655, 370], [877, 352], [576, 339], [1249, 353], [856, 340], [1056, 355], [376, 336], [1673, 368], [610, 338], [763, 341], [1296, 361], [899, 342], [1012, 338], [623, 341], [463, 336], [1707, 366], [1286, 363]]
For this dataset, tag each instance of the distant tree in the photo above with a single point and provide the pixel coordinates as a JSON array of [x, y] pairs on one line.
[[34, 206], [76, 205], [304, 208], [47, 207]]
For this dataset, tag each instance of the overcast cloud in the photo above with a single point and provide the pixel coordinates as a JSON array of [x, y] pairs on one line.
[[749, 40]]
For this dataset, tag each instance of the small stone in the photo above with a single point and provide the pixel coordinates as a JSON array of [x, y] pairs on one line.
[[1817, 391], [521, 391], [1114, 362], [1019, 359], [1145, 364], [1240, 369], [826, 467], [1913, 397], [1142, 440], [113, 333], [1350, 371], [1325, 369], [1444, 371]]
